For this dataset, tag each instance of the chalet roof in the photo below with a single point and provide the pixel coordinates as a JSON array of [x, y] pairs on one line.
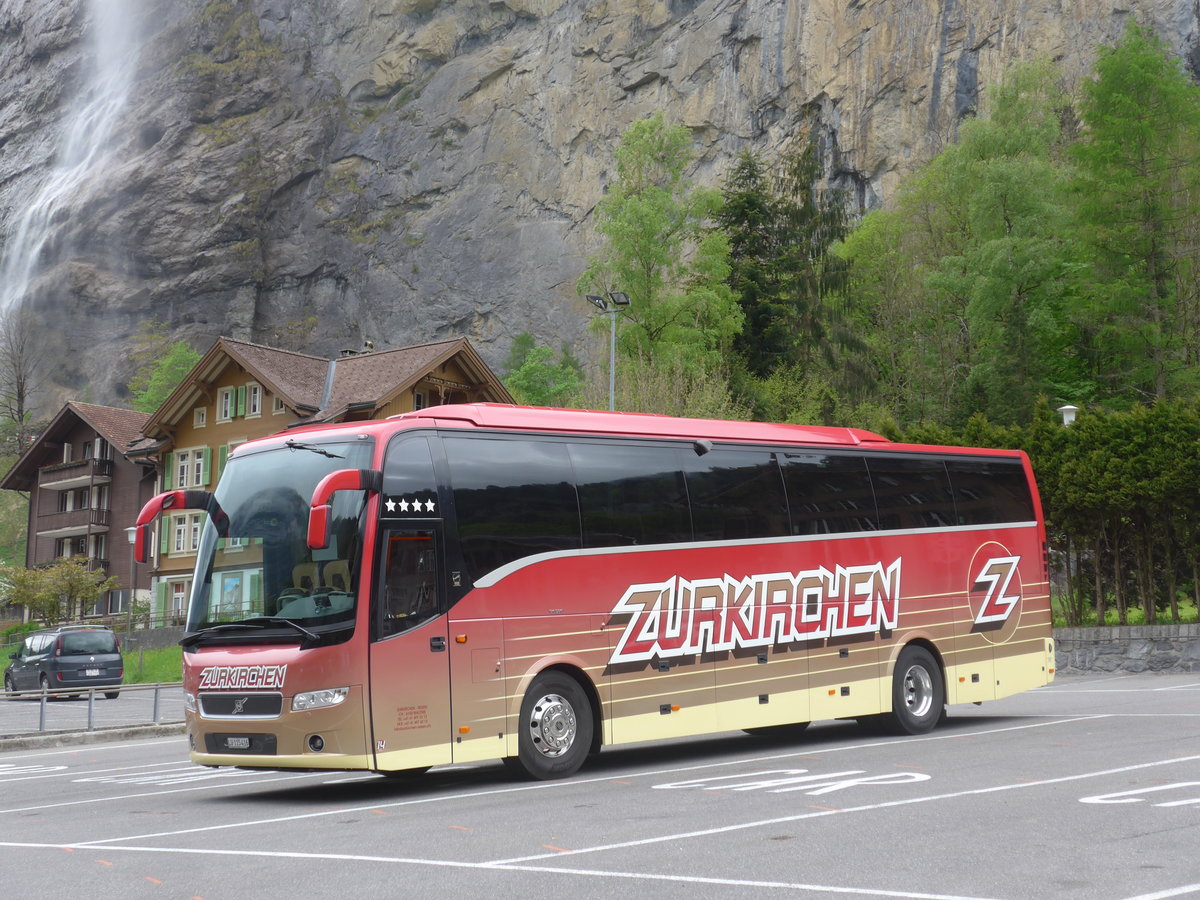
[[296, 378], [321, 390], [377, 377], [120, 427]]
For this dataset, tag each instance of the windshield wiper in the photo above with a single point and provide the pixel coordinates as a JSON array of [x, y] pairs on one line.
[[256, 623], [279, 620], [296, 445]]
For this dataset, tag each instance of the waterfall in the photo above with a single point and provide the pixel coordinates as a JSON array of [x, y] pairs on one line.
[[84, 146]]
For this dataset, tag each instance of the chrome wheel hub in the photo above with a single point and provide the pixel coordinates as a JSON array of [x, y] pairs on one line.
[[918, 691], [552, 725]]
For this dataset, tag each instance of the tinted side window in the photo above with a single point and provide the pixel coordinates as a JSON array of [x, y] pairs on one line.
[[829, 493], [989, 491], [512, 498], [409, 484], [631, 494], [735, 494], [911, 492]]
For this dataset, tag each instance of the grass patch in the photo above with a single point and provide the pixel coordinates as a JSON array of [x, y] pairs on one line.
[[1134, 615], [163, 666]]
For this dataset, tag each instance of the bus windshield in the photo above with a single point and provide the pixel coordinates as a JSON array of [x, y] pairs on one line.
[[261, 573]]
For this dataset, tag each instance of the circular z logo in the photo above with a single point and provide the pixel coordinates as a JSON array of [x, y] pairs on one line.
[[995, 591]]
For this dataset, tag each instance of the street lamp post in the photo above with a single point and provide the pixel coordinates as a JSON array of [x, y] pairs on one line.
[[610, 306], [131, 534]]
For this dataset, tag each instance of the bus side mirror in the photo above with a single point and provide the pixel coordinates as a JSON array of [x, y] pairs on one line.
[[141, 540], [320, 509], [174, 500], [318, 527]]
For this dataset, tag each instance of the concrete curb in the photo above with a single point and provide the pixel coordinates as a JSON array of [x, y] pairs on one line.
[[51, 739]]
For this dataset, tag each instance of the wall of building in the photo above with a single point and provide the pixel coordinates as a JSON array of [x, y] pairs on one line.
[[113, 501]]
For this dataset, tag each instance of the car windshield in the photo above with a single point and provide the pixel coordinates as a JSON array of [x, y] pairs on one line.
[[261, 566], [75, 642]]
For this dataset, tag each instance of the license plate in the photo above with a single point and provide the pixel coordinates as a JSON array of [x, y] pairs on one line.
[[91, 673], [237, 743]]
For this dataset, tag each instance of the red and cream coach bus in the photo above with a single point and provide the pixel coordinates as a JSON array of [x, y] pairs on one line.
[[477, 582]]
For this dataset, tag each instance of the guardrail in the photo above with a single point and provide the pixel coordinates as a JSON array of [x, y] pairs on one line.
[[115, 716]]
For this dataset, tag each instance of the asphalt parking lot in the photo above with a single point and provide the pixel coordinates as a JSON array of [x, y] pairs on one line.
[[1089, 788]]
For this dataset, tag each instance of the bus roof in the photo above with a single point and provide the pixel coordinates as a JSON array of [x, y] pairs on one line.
[[503, 417], [577, 421]]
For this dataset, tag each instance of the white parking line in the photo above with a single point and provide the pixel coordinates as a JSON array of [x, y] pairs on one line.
[[541, 786], [1180, 687], [1170, 892], [548, 870], [869, 807]]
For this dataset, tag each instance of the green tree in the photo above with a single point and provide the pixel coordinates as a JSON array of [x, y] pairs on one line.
[[535, 379], [162, 376], [659, 249], [781, 230], [960, 288], [1138, 182], [57, 593]]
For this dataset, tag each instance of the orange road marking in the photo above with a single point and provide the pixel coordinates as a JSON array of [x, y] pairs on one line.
[[461, 828], [618, 781], [152, 880], [555, 849], [104, 862], [824, 808]]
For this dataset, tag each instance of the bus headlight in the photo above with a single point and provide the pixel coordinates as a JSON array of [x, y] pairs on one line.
[[319, 699]]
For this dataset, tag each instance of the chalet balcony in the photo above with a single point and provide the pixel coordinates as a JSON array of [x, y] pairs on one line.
[[94, 564], [76, 521], [78, 473]]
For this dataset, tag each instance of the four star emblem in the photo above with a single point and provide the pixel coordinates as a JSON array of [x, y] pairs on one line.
[[413, 505]]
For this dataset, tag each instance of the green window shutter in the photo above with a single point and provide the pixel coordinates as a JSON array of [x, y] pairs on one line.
[[256, 597], [164, 536], [222, 458], [241, 401], [168, 467], [160, 599], [205, 466]]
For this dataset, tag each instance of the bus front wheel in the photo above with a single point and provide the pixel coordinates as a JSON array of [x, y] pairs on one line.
[[918, 694], [555, 731]]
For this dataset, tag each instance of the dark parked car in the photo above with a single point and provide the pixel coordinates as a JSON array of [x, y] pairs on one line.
[[70, 657]]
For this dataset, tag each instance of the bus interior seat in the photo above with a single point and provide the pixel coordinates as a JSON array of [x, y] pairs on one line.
[[304, 576], [336, 575]]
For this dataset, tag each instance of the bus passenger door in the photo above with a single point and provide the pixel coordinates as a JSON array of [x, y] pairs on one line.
[[410, 668]]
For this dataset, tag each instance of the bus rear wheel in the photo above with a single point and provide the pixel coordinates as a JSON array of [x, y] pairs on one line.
[[918, 694], [555, 730]]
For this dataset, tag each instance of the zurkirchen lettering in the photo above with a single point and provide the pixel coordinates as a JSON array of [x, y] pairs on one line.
[[236, 678], [678, 617]]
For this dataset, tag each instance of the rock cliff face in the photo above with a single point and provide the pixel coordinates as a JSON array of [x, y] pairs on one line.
[[405, 170]]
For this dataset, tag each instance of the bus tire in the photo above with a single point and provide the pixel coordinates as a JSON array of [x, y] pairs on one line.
[[918, 694], [555, 730]]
